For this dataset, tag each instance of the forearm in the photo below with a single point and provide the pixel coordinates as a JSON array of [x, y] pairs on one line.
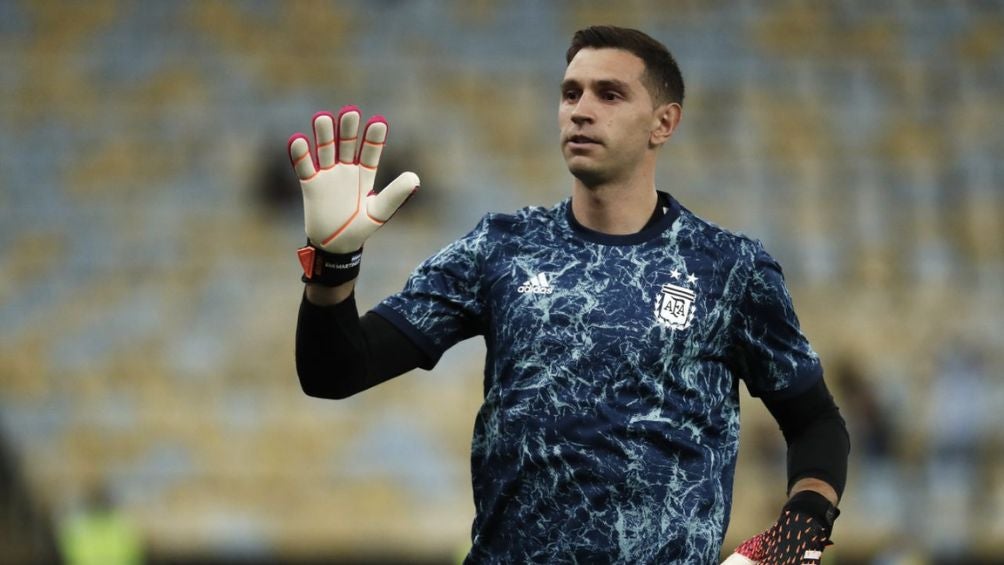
[[818, 443], [330, 353], [321, 295], [339, 354], [817, 457]]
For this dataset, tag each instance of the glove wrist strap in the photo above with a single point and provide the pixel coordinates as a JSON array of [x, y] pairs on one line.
[[328, 269], [814, 504]]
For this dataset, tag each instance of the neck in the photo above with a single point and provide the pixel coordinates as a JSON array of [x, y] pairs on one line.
[[615, 209]]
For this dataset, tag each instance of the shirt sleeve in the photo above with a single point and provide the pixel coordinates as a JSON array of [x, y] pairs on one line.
[[773, 356], [442, 302]]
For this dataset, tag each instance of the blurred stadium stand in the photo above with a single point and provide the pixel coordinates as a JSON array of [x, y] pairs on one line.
[[148, 286]]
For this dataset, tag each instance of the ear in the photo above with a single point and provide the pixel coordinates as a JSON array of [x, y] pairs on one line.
[[665, 118]]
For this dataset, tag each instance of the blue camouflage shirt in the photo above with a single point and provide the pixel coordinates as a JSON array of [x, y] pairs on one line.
[[610, 422]]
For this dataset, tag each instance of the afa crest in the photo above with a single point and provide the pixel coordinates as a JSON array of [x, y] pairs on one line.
[[674, 307]]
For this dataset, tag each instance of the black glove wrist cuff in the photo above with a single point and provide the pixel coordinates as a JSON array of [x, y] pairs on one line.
[[814, 504], [328, 269]]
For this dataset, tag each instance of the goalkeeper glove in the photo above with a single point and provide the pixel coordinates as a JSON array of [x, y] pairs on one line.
[[798, 537], [340, 208]]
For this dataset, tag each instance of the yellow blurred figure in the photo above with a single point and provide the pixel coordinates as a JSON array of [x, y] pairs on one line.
[[100, 535]]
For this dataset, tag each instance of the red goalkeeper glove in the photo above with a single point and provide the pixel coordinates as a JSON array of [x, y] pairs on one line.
[[798, 537]]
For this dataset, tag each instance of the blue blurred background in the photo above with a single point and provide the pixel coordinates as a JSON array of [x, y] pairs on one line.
[[149, 285]]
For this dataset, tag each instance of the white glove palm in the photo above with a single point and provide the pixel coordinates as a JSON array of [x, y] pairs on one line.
[[340, 209]]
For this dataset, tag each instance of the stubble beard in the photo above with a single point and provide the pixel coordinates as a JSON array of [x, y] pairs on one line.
[[589, 179]]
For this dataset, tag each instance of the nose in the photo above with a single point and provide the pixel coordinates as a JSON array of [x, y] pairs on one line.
[[582, 112]]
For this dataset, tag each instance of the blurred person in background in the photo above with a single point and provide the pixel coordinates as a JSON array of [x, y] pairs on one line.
[[99, 534], [618, 325]]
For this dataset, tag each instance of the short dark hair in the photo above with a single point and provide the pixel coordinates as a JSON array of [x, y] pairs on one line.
[[662, 75]]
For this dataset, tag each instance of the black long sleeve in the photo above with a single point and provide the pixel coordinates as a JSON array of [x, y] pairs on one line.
[[339, 354], [816, 434]]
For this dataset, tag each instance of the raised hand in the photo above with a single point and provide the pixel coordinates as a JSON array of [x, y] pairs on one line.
[[340, 208]]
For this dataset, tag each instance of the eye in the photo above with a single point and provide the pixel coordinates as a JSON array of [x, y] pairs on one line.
[[569, 95], [611, 95]]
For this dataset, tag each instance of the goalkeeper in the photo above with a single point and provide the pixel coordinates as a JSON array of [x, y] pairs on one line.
[[618, 325]]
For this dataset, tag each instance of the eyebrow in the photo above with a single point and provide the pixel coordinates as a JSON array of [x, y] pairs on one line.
[[602, 84]]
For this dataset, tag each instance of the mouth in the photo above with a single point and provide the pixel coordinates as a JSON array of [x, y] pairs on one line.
[[581, 140]]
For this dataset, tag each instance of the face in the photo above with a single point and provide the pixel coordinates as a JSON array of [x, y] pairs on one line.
[[607, 117]]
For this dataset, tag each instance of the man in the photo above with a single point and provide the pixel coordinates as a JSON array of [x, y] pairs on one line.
[[617, 325]]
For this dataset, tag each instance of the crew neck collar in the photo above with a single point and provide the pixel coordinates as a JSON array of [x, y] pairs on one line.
[[651, 230]]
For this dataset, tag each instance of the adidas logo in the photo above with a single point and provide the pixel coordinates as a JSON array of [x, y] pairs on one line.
[[538, 284]]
